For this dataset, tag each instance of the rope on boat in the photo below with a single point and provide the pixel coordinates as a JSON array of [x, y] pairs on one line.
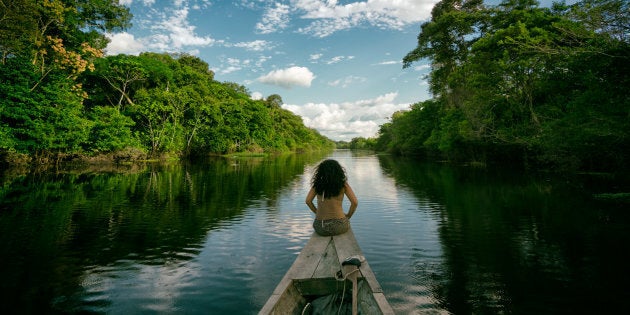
[[305, 307]]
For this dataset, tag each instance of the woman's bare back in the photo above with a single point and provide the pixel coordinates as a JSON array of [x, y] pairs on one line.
[[331, 208]]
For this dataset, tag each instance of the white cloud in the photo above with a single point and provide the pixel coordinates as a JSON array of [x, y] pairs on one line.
[[274, 19], [123, 43], [315, 57], [390, 62], [233, 65], [348, 120], [230, 65], [179, 32], [171, 32], [257, 96], [347, 81], [287, 78], [422, 67], [334, 60], [261, 60], [129, 2], [337, 59], [324, 28], [329, 16], [257, 45]]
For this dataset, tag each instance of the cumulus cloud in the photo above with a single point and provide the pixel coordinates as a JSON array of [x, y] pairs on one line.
[[170, 32], [123, 43], [257, 96], [178, 32], [287, 78], [347, 120]]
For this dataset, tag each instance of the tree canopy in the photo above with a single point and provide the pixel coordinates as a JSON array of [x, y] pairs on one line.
[[59, 94], [521, 82]]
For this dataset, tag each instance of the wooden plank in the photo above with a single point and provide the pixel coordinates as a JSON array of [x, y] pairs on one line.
[[305, 264], [386, 309], [290, 302], [347, 246], [270, 304], [303, 267], [329, 263], [367, 304]]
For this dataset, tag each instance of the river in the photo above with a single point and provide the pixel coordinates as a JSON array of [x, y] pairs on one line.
[[215, 237]]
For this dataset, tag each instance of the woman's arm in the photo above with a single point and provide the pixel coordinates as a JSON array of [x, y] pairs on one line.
[[353, 200], [309, 200]]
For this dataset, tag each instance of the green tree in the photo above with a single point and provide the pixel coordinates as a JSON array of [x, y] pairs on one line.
[[122, 73], [274, 101], [446, 40], [44, 122], [523, 82], [111, 131], [17, 27], [46, 46]]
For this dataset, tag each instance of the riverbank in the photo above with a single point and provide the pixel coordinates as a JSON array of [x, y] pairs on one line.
[[14, 165], [11, 159]]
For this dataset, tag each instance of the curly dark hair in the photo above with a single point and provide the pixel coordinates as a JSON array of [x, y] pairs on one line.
[[329, 178]]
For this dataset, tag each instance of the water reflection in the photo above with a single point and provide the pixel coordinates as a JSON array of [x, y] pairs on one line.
[[131, 241], [514, 243], [217, 236]]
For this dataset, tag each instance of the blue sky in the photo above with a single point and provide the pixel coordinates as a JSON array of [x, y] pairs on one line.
[[335, 63]]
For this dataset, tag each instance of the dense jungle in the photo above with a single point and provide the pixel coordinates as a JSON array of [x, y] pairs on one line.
[[545, 87], [61, 99]]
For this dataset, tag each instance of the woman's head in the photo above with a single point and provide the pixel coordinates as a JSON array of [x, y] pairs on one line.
[[329, 178]]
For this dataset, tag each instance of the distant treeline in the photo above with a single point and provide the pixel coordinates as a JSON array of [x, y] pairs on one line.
[[521, 83], [60, 98]]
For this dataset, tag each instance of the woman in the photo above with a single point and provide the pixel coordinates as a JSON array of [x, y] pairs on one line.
[[329, 185]]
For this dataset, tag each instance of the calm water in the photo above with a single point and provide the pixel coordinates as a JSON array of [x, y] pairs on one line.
[[215, 237]]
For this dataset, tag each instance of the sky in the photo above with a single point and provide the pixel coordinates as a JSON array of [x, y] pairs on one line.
[[337, 64]]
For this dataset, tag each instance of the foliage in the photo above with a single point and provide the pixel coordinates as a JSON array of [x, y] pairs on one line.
[[524, 83], [111, 130], [48, 121], [59, 95], [358, 143]]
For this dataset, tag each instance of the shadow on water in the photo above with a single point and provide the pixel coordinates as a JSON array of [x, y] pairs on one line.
[[520, 244], [55, 226]]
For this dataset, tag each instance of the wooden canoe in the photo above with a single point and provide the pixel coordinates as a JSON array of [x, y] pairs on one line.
[[318, 271]]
